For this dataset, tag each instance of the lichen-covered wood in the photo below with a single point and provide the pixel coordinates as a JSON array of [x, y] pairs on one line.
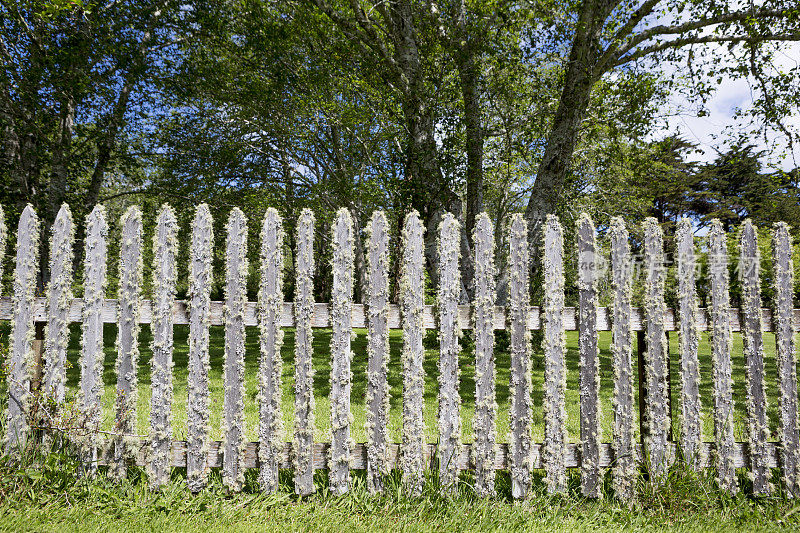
[[3, 239], [589, 358], [165, 248], [625, 468], [412, 294], [59, 293], [270, 302], [521, 404], [304, 349], [130, 283], [658, 419], [484, 425], [555, 370], [197, 407], [92, 355], [341, 356], [690, 366], [449, 399], [786, 359], [721, 357], [20, 362], [377, 351], [236, 268], [758, 430]]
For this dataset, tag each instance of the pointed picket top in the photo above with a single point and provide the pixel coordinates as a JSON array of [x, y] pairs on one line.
[[197, 408], [20, 362], [270, 304], [3, 239], [59, 294], [92, 354], [165, 249]]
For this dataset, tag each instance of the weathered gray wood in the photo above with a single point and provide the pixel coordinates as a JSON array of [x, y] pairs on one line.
[[786, 359], [449, 399], [484, 425], [20, 364], [92, 354], [521, 405], [721, 357], [758, 430], [341, 375], [412, 293], [625, 471], [3, 239], [130, 282], [588, 273], [303, 367], [59, 294], [377, 426], [271, 339], [165, 248], [690, 366], [555, 370], [236, 268], [658, 419], [197, 407]]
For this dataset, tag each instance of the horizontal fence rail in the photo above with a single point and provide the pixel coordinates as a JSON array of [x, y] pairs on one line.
[[156, 451]]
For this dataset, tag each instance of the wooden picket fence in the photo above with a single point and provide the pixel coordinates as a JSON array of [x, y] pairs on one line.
[[413, 455]]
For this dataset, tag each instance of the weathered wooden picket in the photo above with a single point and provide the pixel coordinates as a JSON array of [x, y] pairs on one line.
[[378, 456]]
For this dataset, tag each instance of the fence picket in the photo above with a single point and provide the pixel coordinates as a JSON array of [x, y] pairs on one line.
[[378, 351], [92, 355], [165, 244], [236, 267], [721, 357], [589, 358], [555, 371], [758, 431], [20, 366], [412, 295], [271, 339], [59, 293], [304, 370], [786, 362], [624, 475], [521, 405], [3, 239], [484, 425], [130, 282], [341, 375], [690, 365], [656, 355], [197, 408]]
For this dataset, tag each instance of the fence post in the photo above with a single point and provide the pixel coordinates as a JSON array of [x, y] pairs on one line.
[[589, 358], [378, 351], [341, 375], [236, 268], [92, 354], [197, 408], [621, 280], [787, 364], [412, 296], [304, 369], [555, 371], [270, 306], [20, 367], [520, 463], [690, 366], [449, 400], [721, 357], [59, 294], [484, 426], [130, 282], [656, 356], [3, 239], [758, 431], [165, 244]]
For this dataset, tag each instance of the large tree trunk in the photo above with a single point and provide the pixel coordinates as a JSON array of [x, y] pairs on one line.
[[469, 73]]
